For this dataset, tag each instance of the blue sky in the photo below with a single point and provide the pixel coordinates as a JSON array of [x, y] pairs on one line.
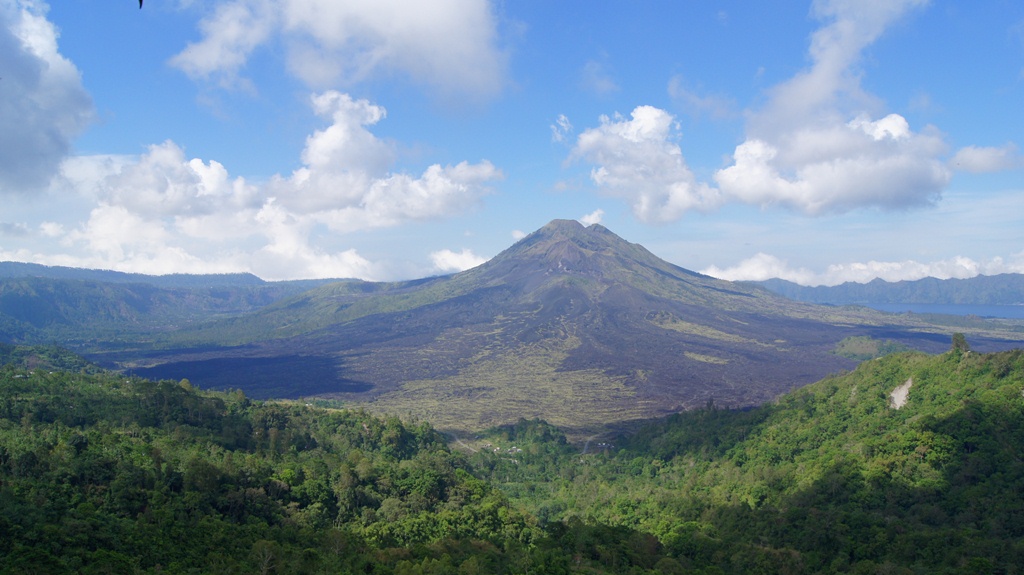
[[820, 142]]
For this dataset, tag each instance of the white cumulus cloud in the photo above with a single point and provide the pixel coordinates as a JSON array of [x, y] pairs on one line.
[[117, 238], [830, 87], [289, 251], [44, 106], [761, 267], [344, 181], [638, 159], [449, 45], [592, 218], [839, 167], [164, 212], [164, 183], [818, 145], [449, 261], [230, 34]]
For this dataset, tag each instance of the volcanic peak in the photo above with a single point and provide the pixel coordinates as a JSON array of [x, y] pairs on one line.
[[567, 246]]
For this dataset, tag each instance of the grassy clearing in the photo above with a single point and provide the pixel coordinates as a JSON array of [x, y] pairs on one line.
[[864, 347], [666, 321], [705, 358]]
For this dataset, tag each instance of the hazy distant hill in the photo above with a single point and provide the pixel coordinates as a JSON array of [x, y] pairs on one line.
[[1002, 289], [27, 270], [572, 324], [79, 307]]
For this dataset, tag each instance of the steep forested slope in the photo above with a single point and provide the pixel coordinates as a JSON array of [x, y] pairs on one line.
[[832, 478]]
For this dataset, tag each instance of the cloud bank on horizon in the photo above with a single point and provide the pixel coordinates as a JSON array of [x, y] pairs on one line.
[[815, 152]]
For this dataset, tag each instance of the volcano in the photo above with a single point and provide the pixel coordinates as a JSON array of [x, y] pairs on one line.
[[571, 324]]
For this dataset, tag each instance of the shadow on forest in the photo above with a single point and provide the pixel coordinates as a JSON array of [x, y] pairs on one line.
[[885, 515]]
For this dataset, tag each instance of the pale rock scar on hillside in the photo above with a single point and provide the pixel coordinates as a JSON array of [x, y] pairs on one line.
[[898, 397]]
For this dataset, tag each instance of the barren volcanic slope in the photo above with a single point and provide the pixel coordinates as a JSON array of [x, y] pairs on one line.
[[571, 324]]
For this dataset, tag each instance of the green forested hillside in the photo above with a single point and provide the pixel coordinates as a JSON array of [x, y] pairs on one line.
[[45, 357], [97, 309], [102, 474], [105, 474], [831, 478]]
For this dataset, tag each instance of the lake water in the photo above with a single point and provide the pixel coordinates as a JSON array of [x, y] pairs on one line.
[[1002, 311]]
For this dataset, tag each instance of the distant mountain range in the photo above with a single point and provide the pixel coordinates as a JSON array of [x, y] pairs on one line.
[[1002, 289], [571, 324], [20, 270], [81, 308]]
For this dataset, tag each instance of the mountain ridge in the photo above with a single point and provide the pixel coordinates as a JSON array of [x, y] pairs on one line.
[[11, 270], [40, 304], [998, 289]]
